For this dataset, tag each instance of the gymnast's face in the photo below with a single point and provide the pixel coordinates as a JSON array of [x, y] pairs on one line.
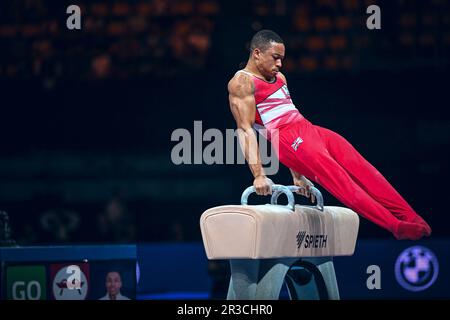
[[269, 61]]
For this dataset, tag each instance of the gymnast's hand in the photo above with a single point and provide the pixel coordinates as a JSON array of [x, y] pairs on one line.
[[302, 181], [263, 185]]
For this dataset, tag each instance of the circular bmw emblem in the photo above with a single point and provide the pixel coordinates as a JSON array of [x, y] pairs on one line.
[[416, 268]]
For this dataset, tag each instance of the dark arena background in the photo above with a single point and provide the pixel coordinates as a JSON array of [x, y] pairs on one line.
[[86, 123]]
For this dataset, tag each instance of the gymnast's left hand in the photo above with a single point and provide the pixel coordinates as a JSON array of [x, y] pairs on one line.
[[306, 185]]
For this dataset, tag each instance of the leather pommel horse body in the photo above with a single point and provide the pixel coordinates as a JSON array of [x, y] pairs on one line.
[[269, 244]]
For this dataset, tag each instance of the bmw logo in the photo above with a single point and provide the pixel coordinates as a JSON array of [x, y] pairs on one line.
[[416, 268]]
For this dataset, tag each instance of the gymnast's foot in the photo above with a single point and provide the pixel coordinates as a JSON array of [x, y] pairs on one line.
[[411, 231], [418, 219], [415, 218]]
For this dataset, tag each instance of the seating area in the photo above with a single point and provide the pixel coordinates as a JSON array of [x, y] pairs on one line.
[[331, 35], [128, 39], [118, 39]]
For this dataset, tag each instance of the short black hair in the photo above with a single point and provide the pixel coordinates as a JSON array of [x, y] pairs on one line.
[[263, 38]]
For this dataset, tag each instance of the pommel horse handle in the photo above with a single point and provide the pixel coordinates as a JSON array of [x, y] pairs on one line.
[[278, 189], [314, 191]]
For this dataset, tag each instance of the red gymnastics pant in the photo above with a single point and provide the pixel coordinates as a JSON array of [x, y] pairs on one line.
[[328, 159]]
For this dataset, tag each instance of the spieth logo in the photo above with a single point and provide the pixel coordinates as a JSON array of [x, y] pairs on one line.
[[61, 290], [416, 268], [300, 237], [311, 240]]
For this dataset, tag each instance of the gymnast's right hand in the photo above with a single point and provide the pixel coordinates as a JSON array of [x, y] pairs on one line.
[[263, 185]]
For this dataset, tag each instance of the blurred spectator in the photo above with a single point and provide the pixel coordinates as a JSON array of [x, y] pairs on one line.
[[101, 66], [116, 223], [5, 230]]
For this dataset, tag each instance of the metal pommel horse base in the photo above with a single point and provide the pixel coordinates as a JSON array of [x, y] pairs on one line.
[[271, 244]]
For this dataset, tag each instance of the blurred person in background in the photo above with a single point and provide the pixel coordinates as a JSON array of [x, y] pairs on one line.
[[116, 223]]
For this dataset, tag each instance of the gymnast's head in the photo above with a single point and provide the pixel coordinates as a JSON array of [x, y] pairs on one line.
[[267, 52]]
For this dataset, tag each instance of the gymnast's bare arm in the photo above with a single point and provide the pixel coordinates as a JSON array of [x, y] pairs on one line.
[[243, 107]]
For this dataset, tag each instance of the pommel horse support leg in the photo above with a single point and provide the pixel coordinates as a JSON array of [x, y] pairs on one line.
[[269, 244]]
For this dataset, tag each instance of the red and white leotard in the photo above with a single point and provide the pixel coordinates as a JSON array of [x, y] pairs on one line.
[[274, 106]]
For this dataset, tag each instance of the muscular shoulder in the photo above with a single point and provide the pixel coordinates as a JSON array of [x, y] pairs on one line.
[[241, 85], [282, 76]]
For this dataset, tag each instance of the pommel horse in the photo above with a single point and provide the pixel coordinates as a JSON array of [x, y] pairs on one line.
[[271, 244]]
